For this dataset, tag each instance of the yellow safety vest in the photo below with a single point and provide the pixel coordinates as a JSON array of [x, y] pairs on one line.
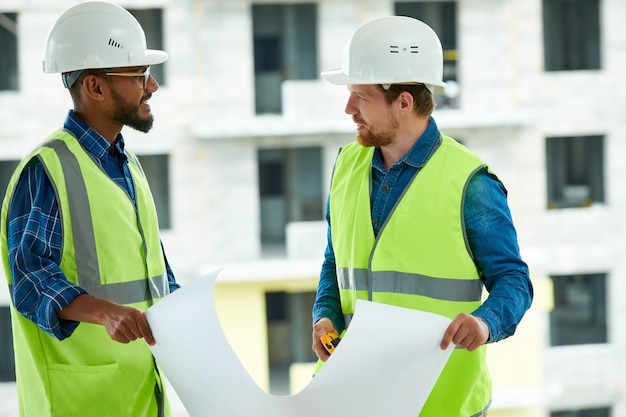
[[420, 259], [111, 249]]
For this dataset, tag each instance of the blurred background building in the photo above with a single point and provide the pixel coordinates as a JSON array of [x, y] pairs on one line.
[[245, 137]]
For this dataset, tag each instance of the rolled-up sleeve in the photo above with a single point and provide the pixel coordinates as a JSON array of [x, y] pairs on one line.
[[327, 302], [39, 287], [493, 241]]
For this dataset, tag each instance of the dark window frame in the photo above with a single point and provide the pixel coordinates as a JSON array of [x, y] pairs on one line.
[[583, 412], [285, 47], [151, 20], [288, 316], [290, 183], [571, 35], [9, 64], [575, 171], [7, 358], [580, 312], [157, 170]]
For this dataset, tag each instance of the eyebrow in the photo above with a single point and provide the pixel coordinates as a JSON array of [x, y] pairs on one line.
[[359, 92]]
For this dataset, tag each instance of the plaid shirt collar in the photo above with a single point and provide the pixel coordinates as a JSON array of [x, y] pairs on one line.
[[94, 143]]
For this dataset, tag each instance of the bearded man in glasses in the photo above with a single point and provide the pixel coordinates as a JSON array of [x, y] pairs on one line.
[[80, 239]]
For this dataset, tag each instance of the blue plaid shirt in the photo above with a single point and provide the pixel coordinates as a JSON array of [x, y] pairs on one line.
[[40, 288]]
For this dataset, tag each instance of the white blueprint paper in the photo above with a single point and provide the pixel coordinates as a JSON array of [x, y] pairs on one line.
[[386, 364]]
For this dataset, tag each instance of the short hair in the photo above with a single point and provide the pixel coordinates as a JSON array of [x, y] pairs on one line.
[[75, 88], [423, 100]]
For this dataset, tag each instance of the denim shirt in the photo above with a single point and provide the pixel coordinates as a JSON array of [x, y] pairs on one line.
[[490, 232], [40, 288]]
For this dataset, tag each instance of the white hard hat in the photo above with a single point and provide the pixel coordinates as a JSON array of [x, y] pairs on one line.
[[97, 34], [391, 50]]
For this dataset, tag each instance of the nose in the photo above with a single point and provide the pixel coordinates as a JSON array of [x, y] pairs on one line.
[[350, 107], [152, 85]]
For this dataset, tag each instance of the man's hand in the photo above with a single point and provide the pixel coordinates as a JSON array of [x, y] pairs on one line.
[[123, 324], [466, 331], [320, 328]]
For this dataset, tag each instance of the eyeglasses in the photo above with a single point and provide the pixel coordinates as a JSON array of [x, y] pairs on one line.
[[145, 74]]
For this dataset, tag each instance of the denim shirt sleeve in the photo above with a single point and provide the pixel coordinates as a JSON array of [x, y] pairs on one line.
[[493, 241], [327, 303], [40, 289]]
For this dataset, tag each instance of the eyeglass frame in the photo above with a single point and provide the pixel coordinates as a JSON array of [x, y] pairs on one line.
[[145, 74]]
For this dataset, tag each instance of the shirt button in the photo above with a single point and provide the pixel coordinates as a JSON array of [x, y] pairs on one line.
[[385, 188], [375, 222]]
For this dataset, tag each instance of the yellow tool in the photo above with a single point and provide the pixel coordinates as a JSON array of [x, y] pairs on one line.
[[330, 341]]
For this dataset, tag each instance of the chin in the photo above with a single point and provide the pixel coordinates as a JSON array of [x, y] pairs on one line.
[[363, 141]]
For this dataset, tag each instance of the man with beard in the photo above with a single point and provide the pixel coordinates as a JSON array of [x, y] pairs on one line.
[[80, 238], [414, 218]]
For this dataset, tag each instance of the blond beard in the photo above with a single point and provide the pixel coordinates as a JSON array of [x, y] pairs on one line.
[[370, 138]]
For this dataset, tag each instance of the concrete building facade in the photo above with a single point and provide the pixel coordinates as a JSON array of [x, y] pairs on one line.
[[246, 134]]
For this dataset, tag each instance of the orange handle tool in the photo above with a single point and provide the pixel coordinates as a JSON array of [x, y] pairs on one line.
[[330, 341]]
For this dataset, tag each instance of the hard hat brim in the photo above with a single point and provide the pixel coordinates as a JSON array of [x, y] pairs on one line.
[[153, 57], [338, 77]]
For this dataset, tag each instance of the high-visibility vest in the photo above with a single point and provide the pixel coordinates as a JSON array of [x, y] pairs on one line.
[[420, 259], [112, 249]]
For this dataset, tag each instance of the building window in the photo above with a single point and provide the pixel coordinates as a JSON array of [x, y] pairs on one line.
[[6, 171], [575, 171], [579, 314], [156, 168], [152, 22], [7, 362], [441, 17], [289, 335], [285, 48], [571, 35], [8, 44], [290, 188], [587, 412]]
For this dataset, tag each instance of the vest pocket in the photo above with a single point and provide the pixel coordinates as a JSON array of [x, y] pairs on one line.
[[87, 390]]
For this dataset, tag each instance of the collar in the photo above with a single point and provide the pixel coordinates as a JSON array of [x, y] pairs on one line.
[[421, 151], [90, 140]]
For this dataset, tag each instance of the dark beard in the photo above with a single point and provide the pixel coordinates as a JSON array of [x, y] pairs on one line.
[[127, 114]]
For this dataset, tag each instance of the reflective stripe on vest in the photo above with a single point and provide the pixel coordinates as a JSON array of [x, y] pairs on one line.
[[410, 284], [405, 283]]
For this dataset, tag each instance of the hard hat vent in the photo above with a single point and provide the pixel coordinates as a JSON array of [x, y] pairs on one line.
[[394, 49], [115, 44]]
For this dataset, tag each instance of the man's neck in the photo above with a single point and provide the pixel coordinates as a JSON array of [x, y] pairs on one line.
[[403, 142]]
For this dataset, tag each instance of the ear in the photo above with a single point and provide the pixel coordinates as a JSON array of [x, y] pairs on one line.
[[92, 87], [405, 100]]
